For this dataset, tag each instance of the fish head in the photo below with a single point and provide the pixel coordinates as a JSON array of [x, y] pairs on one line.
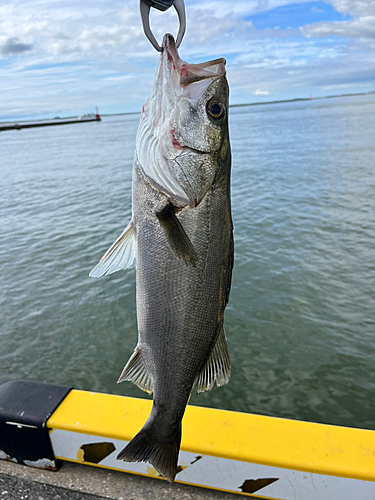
[[183, 139]]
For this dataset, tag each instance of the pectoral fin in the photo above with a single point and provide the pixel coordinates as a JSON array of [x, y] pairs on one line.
[[217, 367], [175, 235], [120, 255]]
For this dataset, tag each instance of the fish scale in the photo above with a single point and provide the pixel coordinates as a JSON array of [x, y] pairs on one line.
[[181, 237]]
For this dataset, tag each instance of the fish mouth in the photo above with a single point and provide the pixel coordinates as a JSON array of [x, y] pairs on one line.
[[192, 73], [163, 150]]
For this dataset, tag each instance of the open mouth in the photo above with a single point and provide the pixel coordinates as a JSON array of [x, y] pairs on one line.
[[194, 79], [163, 150]]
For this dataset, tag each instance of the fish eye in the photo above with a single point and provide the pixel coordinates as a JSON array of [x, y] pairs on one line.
[[215, 109]]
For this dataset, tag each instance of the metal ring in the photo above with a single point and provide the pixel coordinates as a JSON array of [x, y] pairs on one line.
[[145, 16]]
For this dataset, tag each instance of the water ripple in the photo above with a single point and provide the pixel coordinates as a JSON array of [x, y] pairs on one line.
[[300, 322]]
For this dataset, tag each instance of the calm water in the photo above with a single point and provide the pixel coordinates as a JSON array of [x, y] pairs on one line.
[[301, 318]]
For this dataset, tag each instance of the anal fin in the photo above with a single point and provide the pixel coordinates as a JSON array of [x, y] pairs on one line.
[[217, 367], [175, 234], [120, 255], [135, 371]]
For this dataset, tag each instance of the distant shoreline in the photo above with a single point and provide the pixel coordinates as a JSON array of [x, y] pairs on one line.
[[260, 103], [300, 99], [266, 102]]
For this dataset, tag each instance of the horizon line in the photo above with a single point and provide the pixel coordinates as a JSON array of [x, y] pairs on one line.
[[258, 103]]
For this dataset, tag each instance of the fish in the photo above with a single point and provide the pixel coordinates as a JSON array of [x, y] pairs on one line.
[[181, 238]]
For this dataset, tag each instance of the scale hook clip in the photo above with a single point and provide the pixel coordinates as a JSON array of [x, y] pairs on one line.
[[162, 5]]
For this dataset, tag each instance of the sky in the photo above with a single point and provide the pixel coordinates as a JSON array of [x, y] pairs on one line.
[[63, 58]]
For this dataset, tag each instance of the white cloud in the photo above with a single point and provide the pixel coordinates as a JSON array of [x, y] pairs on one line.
[[362, 24], [362, 27], [315, 10], [60, 56], [356, 8], [239, 8], [261, 92]]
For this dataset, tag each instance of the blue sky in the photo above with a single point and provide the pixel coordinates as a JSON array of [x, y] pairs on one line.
[[66, 57], [295, 15]]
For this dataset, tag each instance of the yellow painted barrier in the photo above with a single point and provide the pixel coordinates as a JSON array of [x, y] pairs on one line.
[[234, 440]]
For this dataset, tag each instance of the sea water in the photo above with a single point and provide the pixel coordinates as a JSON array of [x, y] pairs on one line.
[[301, 318]]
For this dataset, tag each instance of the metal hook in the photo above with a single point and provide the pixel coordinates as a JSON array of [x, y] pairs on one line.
[[145, 6]]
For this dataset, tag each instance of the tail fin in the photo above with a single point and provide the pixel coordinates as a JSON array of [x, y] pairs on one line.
[[163, 456]]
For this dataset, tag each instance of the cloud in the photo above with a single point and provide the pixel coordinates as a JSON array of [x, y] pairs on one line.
[[240, 8], [362, 24], [74, 29], [66, 57], [71, 29], [12, 47], [315, 10], [358, 8], [362, 27]]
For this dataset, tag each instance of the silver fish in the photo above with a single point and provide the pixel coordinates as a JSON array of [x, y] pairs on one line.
[[181, 237]]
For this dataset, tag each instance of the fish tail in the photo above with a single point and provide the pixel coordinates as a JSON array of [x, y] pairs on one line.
[[162, 455]]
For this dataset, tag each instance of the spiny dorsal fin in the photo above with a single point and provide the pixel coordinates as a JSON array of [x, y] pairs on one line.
[[217, 367], [135, 371], [175, 234], [120, 255]]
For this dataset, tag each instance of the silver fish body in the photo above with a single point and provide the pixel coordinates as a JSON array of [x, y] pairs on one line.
[[181, 237]]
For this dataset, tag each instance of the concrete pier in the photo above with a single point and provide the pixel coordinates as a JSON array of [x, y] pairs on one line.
[[82, 482], [47, 123]]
